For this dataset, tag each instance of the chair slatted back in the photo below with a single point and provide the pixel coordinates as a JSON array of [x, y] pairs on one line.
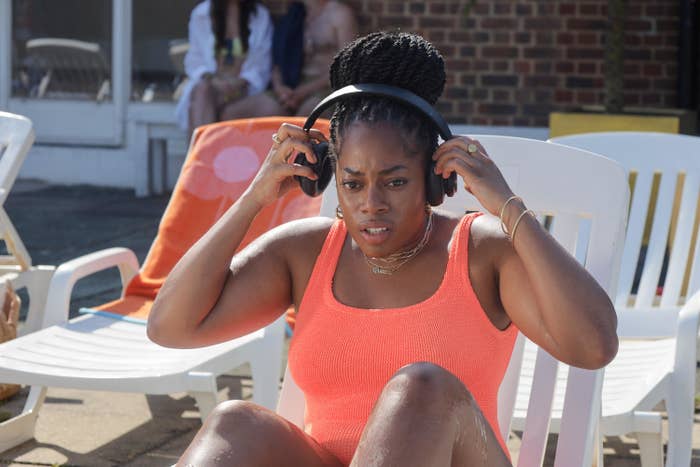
[[662, 233], [16, 138], [71, 68]]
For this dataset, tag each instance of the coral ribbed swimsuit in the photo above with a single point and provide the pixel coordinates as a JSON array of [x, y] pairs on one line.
[[342, 357]]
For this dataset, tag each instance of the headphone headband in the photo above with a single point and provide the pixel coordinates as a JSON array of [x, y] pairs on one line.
[[383, 90]]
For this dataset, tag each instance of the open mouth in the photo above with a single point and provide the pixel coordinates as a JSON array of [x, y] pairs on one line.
[[375, 235], [375, 230]]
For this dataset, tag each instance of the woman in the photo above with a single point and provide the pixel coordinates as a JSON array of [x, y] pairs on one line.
[[229, 58], [328, 26], [406, 316]]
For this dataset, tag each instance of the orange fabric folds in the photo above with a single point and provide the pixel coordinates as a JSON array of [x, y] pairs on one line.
[[222, 161]]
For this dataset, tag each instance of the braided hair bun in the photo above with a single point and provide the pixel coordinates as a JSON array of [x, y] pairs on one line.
[[398, 59], [395, 58]]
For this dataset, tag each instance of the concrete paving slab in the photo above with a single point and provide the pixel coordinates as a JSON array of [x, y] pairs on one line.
[[89, 428]]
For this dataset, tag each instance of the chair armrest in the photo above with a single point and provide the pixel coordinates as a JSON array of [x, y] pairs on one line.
[[652, 323], [687, 334], [68, 273]]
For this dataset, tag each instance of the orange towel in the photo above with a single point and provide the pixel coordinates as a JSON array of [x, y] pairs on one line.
[[222, 161]]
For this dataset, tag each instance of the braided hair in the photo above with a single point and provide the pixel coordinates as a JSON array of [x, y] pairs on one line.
[[394, 58]]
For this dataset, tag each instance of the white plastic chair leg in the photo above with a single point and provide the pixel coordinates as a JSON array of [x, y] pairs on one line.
[[37, 288], [598, 448], [680, 403], [266, 380], [203, 389], [266, 367], [651, 449], [680, 409], [19, 429]]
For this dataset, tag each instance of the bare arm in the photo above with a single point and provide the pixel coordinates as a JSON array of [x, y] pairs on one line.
[[345, 30], [345, 25], [552, 298], [207, 298], [549, 296]]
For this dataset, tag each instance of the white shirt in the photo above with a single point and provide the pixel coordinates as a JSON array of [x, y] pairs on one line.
[[200, 59]]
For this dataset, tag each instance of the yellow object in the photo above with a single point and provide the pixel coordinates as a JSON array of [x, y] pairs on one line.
[[564, 123], [237, 47], [571, 123]]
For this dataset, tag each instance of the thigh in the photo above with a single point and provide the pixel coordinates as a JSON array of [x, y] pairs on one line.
[[243, 433], [477, 444], [258, 105]]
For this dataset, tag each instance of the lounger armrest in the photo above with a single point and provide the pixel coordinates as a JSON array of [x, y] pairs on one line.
[[687, 335], [652, 323], [68, 273]]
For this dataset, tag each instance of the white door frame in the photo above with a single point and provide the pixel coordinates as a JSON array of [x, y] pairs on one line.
[[5, 52]]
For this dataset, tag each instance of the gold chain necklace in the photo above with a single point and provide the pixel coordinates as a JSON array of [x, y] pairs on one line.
[[394, 261]]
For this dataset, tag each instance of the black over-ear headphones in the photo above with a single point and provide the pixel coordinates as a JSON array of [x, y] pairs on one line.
[[436, 187]]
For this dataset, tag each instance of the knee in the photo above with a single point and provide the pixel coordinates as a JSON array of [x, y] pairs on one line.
[[428, 381], [235, 416], [202, 90]]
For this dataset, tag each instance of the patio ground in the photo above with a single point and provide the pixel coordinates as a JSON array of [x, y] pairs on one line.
[[95, 429]]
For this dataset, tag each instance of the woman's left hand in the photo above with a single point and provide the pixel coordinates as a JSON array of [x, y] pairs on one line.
[[482, 178]]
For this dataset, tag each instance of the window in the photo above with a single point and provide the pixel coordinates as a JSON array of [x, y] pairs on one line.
[[159, 46], [61, 50]]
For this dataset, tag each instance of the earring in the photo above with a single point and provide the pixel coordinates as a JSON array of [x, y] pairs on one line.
[[338, 212]]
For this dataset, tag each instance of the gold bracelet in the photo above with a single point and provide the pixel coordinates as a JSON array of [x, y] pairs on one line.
[[517, 222], [503, 210]]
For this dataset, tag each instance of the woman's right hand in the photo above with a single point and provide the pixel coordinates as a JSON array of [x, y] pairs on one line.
[[276, 175]]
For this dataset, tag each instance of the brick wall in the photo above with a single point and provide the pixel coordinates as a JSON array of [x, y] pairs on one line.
[[511, 63]]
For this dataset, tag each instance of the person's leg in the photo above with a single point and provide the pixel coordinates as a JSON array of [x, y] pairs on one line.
[[242, 433], [203, 104], [426, 417], [258, 105]]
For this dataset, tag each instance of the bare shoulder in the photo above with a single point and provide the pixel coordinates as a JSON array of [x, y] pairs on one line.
[[306, 229], [487, 228], [488, 238], [300, 237]]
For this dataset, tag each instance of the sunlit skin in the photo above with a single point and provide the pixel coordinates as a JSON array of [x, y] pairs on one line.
[[381, 186], [529, 281]]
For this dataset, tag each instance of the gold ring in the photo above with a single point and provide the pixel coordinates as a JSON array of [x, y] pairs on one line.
[[472, 148], [276, 138]]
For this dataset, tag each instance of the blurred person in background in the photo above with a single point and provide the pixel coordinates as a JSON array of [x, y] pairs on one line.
[[306, 40], [229, 58]]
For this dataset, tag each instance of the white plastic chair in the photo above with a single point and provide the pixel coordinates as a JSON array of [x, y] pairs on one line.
[[98, 352], [70, 67], [657, 357], [587, 195], [16, 138]]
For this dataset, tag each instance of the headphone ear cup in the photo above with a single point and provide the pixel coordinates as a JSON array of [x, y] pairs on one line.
[[323, 168], [437, 187], [434, 186]]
